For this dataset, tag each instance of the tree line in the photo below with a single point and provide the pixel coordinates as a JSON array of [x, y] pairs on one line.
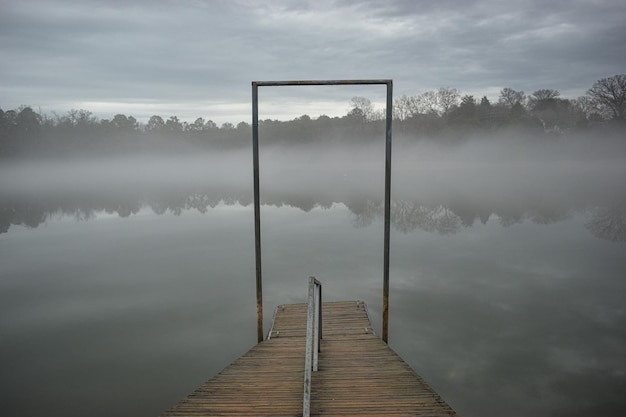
[[444, 113]]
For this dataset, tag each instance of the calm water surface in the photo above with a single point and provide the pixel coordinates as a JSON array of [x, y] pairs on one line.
[[506, 306]]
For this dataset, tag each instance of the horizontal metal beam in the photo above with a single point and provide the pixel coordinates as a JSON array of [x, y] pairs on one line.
[[318, 82]]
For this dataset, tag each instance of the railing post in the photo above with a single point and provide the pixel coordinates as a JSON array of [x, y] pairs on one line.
[[317, 326], [319, 321], [313, 336]]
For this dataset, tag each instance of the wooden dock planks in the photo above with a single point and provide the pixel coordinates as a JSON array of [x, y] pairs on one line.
[[358, 373]]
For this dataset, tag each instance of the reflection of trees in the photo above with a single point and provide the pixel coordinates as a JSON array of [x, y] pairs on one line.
[[407, 216], [32, 212], [548, 215], [509, 219], [27, 214], [366, 211], [607, 222], [125, 208], [177, 203]]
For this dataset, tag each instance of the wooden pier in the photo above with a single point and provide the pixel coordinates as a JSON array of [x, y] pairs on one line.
[[353, 373], [358, 373]]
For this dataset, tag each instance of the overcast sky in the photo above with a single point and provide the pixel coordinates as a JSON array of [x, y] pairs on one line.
[[196, 58]]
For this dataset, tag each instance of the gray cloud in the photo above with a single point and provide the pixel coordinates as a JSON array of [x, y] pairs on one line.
[[197, 58]]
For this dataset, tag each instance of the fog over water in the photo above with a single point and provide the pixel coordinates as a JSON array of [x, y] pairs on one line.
[[127, 281], [514, 180]]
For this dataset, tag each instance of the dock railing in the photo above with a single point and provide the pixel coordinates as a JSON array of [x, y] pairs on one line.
[[313, 337]]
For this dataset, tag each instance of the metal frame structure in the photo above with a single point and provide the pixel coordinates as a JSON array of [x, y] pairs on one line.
[[257, 197]]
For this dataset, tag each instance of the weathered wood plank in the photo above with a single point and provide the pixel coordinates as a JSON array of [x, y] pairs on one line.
[[358, 373]]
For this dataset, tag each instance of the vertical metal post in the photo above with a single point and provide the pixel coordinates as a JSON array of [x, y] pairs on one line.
[[389, 116], [257, 211]]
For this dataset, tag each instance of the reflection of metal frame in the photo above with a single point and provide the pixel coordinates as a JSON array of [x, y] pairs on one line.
[[257, 197]]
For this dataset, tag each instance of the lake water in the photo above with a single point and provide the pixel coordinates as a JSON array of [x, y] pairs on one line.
[[125, 283]]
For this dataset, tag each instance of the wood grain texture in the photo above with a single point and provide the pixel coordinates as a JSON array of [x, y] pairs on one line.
[[358, 373]]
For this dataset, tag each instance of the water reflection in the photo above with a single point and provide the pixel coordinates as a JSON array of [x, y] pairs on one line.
[[609, 222], [498, 317], [434, 188], [605, 221]]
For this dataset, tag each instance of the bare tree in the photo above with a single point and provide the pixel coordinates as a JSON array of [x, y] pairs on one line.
[[363, 108], [405, 107], [427, 102], [510, 97], [586, 106], [611, 93], [542, 96], [85, 118], [446, 98]]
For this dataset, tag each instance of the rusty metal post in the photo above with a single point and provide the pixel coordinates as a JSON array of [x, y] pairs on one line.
[[257, 211], [385, 335]]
